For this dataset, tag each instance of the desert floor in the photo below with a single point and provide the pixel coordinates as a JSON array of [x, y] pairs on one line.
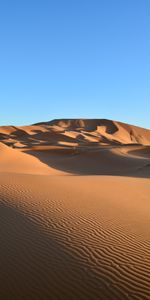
[[74, 215]]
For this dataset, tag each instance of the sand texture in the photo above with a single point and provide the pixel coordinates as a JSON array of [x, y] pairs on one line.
[[75, 211]]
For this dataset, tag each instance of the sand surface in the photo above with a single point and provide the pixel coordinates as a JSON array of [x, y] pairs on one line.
[[75, 211]]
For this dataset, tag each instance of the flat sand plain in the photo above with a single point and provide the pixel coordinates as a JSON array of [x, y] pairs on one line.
[[75, 211]]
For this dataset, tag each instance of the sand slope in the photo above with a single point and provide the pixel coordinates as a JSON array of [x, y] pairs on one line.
[[74, 211], [14, 161], [74, 132]]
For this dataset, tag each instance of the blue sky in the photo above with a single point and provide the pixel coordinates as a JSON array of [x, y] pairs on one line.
[[72, 59]]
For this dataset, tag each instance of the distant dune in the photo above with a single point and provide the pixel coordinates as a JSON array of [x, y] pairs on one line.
[[76, 132], [74, 211], [79, 146]]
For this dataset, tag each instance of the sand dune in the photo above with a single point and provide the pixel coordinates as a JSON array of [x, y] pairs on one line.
[[66, 235], [12, 160], [80, 132]]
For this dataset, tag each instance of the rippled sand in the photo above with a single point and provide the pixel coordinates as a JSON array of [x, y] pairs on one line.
[[66, 238], [75, 222]]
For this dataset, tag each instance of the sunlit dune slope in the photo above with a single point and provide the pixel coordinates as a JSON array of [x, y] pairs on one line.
[[77, 146], [74, 211], [74, 132], [12, 160]]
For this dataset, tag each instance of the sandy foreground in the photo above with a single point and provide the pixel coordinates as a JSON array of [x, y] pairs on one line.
[[75, 211]]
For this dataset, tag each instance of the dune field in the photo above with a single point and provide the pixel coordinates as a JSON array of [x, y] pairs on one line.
[[75, 211]]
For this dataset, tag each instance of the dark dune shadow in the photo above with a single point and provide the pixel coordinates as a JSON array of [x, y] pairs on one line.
[[36, 265], [144, 151], [41, 138], [100, 139], [18, 133], [3, 136], [82, 124], [99, 162]]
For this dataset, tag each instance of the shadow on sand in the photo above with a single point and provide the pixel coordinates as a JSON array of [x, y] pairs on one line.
[[94, 162]]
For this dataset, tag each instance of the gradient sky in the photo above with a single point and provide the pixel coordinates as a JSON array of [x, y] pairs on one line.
[[74, 58]]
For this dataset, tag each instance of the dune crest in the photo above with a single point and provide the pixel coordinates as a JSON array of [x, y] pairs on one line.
[[74, 211], [75, 131], [14, 161], [80, 146]]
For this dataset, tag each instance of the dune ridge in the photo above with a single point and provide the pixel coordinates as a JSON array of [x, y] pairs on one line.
[[74, 211], [76, 132]]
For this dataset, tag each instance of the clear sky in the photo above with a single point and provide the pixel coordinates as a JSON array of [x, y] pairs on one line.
[[74, 58]]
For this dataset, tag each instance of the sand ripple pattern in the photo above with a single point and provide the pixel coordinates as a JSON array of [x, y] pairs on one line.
[[58, 243]]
